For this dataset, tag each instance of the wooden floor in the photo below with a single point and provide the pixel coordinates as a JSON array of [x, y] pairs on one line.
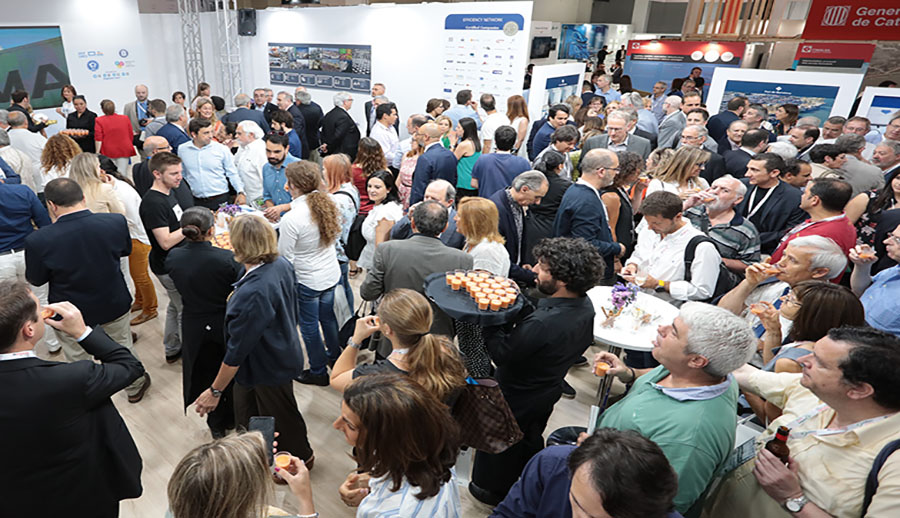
[[164, 432]]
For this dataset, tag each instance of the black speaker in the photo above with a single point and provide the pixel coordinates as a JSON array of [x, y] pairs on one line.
[[247, 22]]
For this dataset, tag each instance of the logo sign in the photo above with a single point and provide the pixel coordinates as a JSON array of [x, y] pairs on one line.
[[123, 53], [836, 16], [92, 65]]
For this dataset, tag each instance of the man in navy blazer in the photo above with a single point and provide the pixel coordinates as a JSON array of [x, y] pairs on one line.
[[88, 461], [174, 129], [772, 205], [79, 255], [753, 142], [581, 212], [436, 162], [527, 189], [244, 113], [718, 123]]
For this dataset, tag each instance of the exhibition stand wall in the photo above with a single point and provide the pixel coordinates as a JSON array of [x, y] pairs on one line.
[[551, 84]]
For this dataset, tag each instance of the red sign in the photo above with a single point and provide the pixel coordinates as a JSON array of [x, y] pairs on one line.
[[853, 20], [833, 55], [699, 52]]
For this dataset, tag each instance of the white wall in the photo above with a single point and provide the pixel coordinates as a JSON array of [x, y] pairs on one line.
[[107, 26], [406, 40]]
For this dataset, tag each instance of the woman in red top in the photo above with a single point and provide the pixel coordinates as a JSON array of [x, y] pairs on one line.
[[369, 159], [114, 136]]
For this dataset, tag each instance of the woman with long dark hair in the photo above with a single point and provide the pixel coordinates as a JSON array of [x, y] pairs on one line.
[[786, 116], [866, 208], [619, 204], [467, 151], [203, 275], [386, 211], [369, 159], [82, 119], [307, 236]]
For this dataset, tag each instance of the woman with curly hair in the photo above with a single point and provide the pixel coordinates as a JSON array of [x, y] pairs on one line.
[[369, 159], [306, 239], [57, 157], [98, 193]]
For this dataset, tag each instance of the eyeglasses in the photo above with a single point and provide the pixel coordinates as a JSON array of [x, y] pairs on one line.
[[279, 133], [894, 239], [790, 299]]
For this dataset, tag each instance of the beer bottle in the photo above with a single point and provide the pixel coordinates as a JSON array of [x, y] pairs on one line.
[[778, 444]]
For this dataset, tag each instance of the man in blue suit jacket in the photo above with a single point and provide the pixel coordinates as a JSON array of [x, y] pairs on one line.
[[173, 131], [244, 113], [436, 162], [527, 189], [79, 255], [718, 123], [581, 212]]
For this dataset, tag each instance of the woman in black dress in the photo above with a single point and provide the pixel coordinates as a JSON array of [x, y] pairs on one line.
[[540, 218], [619, 204], [203, 275], [82, 119]]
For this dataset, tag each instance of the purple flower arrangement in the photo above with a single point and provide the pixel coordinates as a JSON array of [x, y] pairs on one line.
[[230, 209], [623, 295]]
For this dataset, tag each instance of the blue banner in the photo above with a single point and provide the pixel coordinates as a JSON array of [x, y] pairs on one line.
[[556, 82]]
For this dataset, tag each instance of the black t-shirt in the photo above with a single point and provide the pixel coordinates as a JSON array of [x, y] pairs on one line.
[[159, 210]]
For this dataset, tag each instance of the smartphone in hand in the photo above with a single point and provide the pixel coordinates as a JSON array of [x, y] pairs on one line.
[[266, 426]]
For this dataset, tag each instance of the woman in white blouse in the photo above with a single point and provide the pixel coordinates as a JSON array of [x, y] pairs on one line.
[[306, 238], [477, 219], [387, 210], [250, 159], [68, 94]]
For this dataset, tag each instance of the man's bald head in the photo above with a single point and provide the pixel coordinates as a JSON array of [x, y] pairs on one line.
[[156, 144], [141, 92], [427, 134]]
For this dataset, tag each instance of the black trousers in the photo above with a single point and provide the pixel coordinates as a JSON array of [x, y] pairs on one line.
[[498, 472], [212, 203], [277, 401]]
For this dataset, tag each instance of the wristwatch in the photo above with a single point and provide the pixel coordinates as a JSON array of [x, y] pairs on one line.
[[794, 505], [351, 343], [215, 393]]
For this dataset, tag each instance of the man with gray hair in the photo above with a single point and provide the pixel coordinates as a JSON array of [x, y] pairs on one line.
[[340, 133], [712, 212], [286, 102], [30, 144], [805, 258], [312, 114], [617, 137], [527, 189], [887, 157], [19, 162], [4, 119], [442, 192], [581, 212], [378, 90], [405, 263], [692, 385], [413, 123], [175, 130], [698, 136], [862, 176], [672, 124], [244, 112], [603, 83], [646, 120]]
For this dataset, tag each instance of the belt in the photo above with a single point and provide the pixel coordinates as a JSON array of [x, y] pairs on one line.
[[12, 251], [211, 197]]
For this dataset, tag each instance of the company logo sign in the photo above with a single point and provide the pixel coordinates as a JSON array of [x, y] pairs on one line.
[[836, 15], [123, 53], [92, 65]]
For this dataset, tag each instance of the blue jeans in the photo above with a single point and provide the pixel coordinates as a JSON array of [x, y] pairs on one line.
[[345, 282], [315, 307]]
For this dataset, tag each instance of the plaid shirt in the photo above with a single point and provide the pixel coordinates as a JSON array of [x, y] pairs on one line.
[[739, 239]]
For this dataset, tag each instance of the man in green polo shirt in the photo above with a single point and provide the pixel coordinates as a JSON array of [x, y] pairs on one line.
[[688, 404]]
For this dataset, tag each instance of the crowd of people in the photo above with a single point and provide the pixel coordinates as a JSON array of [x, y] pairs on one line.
[[774, 234]]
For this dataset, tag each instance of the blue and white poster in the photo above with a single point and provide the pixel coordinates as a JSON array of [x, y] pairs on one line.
[[329, 67], [484, 53], [813, 100], [557, 89], [581, 41], [33, 59]]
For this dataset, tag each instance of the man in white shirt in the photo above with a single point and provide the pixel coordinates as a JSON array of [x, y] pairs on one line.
[[413, 123], [29, 143], [251, 158], [18, 161], [384, 133], [493, 121], [658, 258], [657, 98]]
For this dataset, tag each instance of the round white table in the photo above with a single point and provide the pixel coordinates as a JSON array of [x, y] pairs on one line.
[[624, 334]]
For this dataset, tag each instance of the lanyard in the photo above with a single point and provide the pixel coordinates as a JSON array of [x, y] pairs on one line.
[[762, 202], [806, 224], [17, 355], [826, 431]]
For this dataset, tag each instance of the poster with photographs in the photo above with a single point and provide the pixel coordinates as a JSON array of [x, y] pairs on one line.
[[328, 67]]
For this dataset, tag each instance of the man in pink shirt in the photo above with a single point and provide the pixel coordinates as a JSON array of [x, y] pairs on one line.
[[824, 200]]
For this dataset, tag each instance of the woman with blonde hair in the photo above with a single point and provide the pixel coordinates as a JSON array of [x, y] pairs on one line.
[[231, 477], [262, 349], [448, 136], [203, 90], [681, 174], [206, 110], [574, 102], [517, 113], [306, 239], [478, 220], [56, 158], [404, 317], [339, 183], [99, 195]]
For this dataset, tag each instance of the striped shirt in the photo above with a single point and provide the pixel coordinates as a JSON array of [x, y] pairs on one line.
[[383, 503], [739, 239]]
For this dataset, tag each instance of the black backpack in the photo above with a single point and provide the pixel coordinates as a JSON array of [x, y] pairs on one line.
[[872, 479], [727, 279]]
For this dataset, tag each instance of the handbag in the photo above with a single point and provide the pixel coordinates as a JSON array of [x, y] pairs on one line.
[[485, 420], [365, 309]]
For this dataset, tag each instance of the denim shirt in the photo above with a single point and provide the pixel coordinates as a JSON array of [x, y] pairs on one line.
[[274, 180]]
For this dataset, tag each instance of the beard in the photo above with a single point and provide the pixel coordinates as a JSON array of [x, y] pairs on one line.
[[547, 287]]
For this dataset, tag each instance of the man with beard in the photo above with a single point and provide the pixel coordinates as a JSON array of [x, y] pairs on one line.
[[735, 237], [534, 354], [276, 200]]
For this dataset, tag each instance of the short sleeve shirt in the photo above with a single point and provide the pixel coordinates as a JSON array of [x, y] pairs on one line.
[[159, 210]]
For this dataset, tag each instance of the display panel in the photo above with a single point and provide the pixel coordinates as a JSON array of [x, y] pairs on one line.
[[33, 59], [330, 67]]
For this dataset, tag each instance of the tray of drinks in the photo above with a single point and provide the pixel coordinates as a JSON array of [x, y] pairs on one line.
[[476, 297]]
